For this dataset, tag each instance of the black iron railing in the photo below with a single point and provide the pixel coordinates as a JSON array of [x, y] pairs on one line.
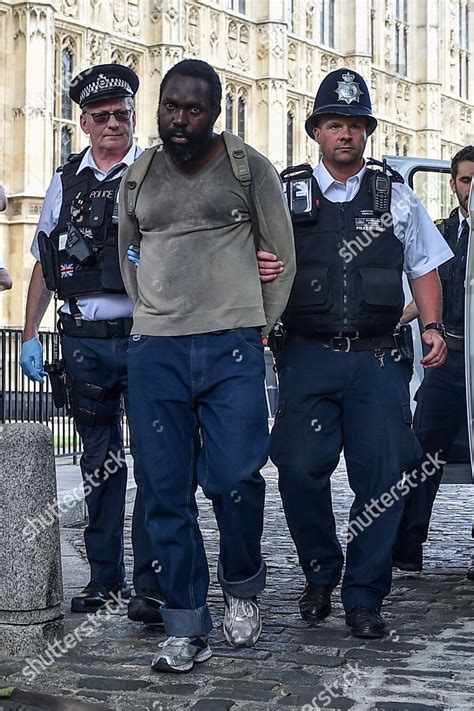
[[22, 400]]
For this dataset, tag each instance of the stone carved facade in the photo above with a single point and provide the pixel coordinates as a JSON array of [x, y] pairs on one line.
[[270, 64]]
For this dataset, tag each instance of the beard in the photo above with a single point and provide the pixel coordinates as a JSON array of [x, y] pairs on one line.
[[463, 202], [185, 152]]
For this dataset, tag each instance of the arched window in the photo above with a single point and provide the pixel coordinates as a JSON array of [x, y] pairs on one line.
[[326, 22], [66, 76], [64, 110], [289, 138], [241, 118], [66, 143], [229, 111], [236, 5]]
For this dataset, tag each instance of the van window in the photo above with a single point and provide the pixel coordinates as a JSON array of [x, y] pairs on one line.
[[432, 187]]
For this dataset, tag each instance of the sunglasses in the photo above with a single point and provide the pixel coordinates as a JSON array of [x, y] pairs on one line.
[[122, 116]]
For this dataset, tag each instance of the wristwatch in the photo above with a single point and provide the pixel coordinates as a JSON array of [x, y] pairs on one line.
[[437, 327]]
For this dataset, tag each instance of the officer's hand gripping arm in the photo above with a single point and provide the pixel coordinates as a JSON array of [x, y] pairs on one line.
[[269, 267]]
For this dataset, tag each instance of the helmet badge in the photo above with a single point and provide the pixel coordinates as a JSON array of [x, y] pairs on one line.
[[348, 90]]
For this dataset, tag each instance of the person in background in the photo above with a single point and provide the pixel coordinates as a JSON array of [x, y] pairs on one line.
[[6, 282], [441, 398], [3, 199], [5, 279]]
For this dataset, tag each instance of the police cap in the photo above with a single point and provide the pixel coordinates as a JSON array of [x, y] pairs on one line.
[[342, 92], [102, 82]]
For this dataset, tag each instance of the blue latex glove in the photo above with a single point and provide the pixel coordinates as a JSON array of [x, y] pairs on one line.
[[31, 360], [133, 255]]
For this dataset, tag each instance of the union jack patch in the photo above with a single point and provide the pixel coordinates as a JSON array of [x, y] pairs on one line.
[[67, 270]]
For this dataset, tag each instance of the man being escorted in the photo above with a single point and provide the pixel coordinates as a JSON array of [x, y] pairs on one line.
[[5, 279], [342, 381], [78, 231], [441, 399], [196, 360], [3, 199]]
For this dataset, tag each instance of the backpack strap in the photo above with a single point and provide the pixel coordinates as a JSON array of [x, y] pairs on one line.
[[239, 162], [135, 178], [238, 158]]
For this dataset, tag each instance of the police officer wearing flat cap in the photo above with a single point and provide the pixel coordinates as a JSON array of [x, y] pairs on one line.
[[76, 248], [343, 383]]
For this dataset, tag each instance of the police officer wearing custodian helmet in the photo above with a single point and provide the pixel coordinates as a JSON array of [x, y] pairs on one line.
[[78, 233], [343, 384]]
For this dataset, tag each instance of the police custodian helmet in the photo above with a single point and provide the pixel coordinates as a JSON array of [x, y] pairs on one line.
[[342, 92], [102, 82]]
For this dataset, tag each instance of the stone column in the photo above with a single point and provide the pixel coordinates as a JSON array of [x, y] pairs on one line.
[[425, 60], [30, 558], [166, 42], [271, 87]]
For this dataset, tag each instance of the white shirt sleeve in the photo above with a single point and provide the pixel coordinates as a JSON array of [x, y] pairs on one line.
[[424, 247], [2, 264], [50, 213]]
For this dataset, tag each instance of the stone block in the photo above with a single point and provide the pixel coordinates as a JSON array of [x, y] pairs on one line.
[[30, 560]]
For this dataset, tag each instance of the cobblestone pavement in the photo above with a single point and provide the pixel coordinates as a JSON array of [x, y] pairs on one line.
[[425, 662]]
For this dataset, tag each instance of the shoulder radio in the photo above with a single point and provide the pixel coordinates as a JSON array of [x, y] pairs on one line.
[[298, 184]]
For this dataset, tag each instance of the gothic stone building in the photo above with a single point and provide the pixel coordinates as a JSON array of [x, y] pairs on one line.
[[270, 55]]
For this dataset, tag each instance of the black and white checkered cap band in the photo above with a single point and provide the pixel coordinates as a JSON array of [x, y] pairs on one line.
[[102, 83]]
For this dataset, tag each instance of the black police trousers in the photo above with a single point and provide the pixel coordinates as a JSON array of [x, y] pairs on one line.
[[103, 362], [357, 402], [440, 413]]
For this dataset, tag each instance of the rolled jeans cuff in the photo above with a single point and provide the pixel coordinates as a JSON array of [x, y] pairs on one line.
[[187, 623], [243, 588]]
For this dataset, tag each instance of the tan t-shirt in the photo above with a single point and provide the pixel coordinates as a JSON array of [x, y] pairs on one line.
[[198, 270]]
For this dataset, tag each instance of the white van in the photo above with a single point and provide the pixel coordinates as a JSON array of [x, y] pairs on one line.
[[429, 179]]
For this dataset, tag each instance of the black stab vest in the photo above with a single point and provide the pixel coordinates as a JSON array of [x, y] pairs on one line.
[[98, 225], [452, 274], [349, 269]]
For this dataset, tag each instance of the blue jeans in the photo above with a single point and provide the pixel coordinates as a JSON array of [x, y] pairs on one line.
[[198, 416], [329, 401]]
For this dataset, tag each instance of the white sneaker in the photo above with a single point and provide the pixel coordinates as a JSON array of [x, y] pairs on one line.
[[242, 621], [180, 653]]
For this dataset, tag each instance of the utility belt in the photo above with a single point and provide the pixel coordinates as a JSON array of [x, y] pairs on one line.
[[401, 339], [454, 343], [344, 342], [90, 404], [70, 326]]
